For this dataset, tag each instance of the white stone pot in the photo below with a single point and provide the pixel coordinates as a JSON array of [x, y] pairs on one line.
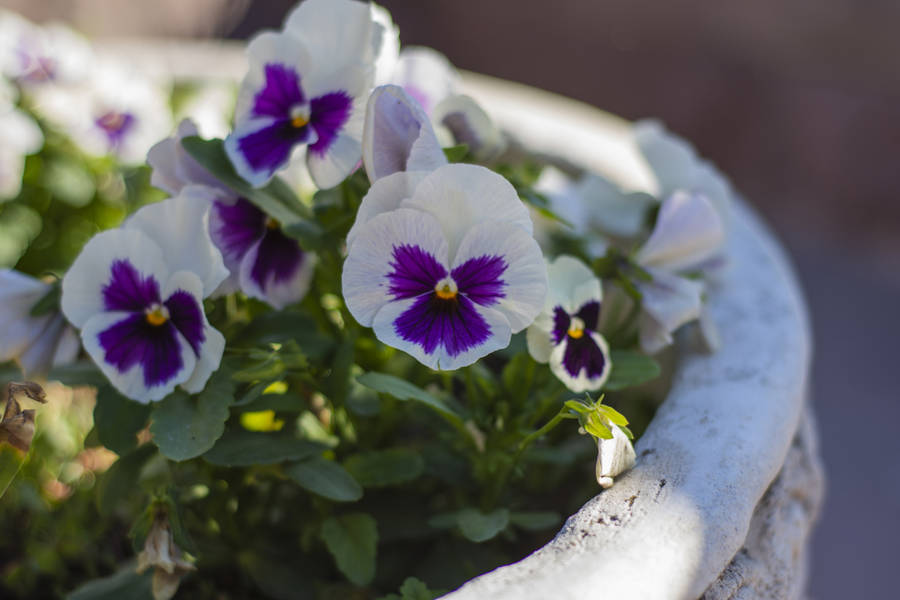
[[728, 481]]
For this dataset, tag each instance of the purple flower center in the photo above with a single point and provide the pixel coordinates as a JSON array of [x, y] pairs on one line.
[[582, 352], [148, 335], [443, 313], [292, 119], [115, 125]]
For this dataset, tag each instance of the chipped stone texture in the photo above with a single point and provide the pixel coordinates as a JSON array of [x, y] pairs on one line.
[[694, 515]]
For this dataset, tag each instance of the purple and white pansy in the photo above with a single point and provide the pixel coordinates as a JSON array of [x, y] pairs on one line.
[[136, 293], [262, 261], [688, 237], [565, 333], [445, 270], [307, 86]]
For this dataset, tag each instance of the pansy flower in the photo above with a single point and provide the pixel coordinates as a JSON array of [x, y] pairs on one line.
[[307, 86], [136, 293], [34, 55], [688, 236], [19, 136], [118, 110], [431, 79], [37, 343], [445, 270], [565, 333], [263, 262]]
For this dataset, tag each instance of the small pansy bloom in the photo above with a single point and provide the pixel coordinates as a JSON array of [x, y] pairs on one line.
[[137, 295], [263, 262], [565, 333], [307, 86], [446, 271]]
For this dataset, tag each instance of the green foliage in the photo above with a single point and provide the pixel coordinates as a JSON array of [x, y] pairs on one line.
[[126, 584], [185, 427], [352, 540], [325, 478], [385, 467], [404, 390], [630, 368], [480, 527], [118, 420], [240, 448]]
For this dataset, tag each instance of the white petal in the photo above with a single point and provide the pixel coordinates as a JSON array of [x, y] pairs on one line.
[[614, 456], [82, 286], [18, 294], [180, 226], [582, 382], [383, 326], [537, 336], [398, 135], [384, 195], [265, 48], [525, 275], [426, 75], [131, 383], [385, 44], [612, 210], [336, 32], [37, 358], [688, 232], [461, 196], [470, 125], [708, 330], [676, 165], [12, 166], [572, 284], [20, 132], [67, 347], [173, 167], [364, 282], [339, 161], [213, 346], [668, 302]]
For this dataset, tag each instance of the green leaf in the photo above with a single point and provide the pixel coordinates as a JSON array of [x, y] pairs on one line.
[[385, 467], [579, 407], [125, 584], [535, 521], [630, 368], [118, 420], [241, 448], [352, 540], [282, 326], [456, 153], [363, 401], [596, 428], [481, 527], [184, 427], [325, 478], [78, 373], [404, 390], [518, 375], [413, 589], [613, 415], [121, 479]]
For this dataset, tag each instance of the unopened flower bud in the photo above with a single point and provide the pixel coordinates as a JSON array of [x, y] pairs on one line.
[[614, 456]]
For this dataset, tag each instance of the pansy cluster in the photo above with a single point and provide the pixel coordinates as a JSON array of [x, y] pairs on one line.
[[287, 329]]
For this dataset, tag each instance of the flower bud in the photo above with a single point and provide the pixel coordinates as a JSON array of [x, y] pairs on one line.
[[614, 456]]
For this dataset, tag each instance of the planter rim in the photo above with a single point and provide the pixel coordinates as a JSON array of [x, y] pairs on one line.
[[669, 527]]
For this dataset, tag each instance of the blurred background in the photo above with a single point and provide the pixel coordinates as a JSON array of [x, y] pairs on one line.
[[796, 101]]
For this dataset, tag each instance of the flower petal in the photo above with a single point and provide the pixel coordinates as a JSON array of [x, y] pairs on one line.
[[366, 280], [336, 32], [179, 226], [184, 302], [461, 196], [470, 125], [582, 364], [385, 195], [83, 284], [398, 135], [668, 302], [442, 334], [614, 456], [688, 232], [572, 284], [426, 75], [258, 147], [276, 270], [521, 295], [235, 225], [270, 48], [144, 362], [173, 167]]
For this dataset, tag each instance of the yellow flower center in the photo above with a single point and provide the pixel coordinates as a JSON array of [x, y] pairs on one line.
[[272, 223], [576, 328], [300, 116], [445, 289], [157, 315]]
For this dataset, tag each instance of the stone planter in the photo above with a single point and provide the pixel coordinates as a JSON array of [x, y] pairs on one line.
[[728, 481]]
